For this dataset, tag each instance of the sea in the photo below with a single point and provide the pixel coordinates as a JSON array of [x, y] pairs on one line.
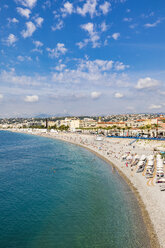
[[58, 195]]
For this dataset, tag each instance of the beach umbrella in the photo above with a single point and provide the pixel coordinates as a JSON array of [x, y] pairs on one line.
[[150, 157], [140, 163], [137, 157], [143, 157], [150, 162]]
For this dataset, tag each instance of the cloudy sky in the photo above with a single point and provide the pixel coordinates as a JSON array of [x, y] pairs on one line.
[[81, 57]]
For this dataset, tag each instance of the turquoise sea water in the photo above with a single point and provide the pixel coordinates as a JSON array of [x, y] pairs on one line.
[[58, 195]]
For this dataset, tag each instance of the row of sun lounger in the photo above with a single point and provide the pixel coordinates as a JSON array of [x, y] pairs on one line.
[[151, 166]]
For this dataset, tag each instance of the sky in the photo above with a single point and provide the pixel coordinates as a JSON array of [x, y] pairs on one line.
[[81, 57]]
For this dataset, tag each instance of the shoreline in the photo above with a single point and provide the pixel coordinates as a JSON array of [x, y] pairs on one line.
[[156, 239], [154, 242]]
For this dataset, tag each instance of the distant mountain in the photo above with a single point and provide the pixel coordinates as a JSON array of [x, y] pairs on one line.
[[42, 116], [50, 115]]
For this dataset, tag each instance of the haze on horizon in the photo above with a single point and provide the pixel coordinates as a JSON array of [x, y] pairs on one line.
[[81, 57]]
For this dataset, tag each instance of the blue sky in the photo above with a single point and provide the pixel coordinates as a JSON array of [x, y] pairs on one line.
[[81, 57]]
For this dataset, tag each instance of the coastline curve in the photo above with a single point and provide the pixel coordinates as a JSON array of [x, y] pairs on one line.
[[154, 242]]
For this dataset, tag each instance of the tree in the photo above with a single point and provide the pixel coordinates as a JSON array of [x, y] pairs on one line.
[[108, 129], [142, 128], [123, 128], [119, 128], [114, 127], [37, 126], [63, 128], [53, 127], [156, 127], [148, 127]]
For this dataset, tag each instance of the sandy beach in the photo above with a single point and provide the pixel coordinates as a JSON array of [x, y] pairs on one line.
[[151, 199]]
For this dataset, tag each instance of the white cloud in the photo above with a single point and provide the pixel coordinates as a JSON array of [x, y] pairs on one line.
[[13, 20], [88, 72], [60, 67], [69, 96], [39, 21], [162, 92], [97, 65], [83, 43], [130, 108], [11, 40], [30, 29], [93, 36], [127, 19], [33, 98], [38, 51], [152, 25], [115, 36], [37, 43], [1, 96], [133, 26], [95, 95], [88, 8], [58, 26], [56, 52], [47, 4], [148, 15], [119, 66], [67, 9], [105, 7], [153, 106], [21, 58], [24, 12], [27, 3], [103, 27], [144, 83], [88, 27], [118, 95], [12, 78]]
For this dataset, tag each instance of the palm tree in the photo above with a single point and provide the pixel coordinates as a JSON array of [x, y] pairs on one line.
[[156, 128], [123, 128], [114, 127], [108, 128], [119, 128], [142, 128], [148, 127]]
